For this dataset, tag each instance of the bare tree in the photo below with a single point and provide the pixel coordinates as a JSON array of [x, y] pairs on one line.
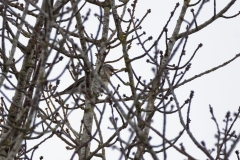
[[38, 36]]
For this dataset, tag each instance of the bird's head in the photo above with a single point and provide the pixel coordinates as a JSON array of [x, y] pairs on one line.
[[108, 69]]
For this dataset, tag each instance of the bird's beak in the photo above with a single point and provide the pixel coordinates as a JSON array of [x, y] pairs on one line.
[[114, 70]]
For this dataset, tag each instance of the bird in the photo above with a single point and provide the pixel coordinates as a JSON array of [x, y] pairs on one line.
[[79, 85]]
